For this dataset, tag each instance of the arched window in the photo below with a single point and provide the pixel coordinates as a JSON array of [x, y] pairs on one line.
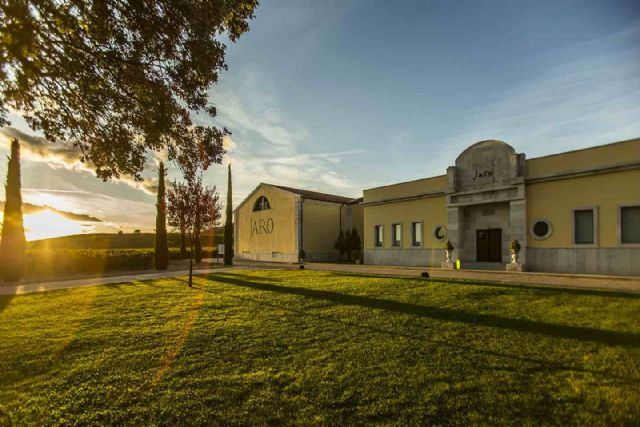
[[262, 204]]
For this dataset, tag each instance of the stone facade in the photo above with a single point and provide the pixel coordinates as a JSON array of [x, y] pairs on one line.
[[491, 187], [405, 257], [486, 190]]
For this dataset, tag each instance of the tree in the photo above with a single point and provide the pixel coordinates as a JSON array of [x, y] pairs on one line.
[[183, 239], [351, 242], [195, 206], [339, 244], [161, 258], [228, 224], [117, 78], [13, 241]]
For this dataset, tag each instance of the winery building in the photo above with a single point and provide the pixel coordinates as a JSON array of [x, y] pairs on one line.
[[275, 222], [573, 212]]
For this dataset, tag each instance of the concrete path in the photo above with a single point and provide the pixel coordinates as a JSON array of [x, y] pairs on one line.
[[575, 281], [94, 281]]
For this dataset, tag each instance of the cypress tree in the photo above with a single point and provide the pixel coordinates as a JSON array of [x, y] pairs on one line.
[[228, 225], [161, 258], [13, 241]]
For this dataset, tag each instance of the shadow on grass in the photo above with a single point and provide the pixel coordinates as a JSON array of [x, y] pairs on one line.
[[541, 364], [551, 289], [5, 300], [580, 333]]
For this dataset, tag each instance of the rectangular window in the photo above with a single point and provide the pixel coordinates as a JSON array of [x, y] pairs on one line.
[[584, 226], [396, 234], [630, 224], [378, 235], [416, 234]]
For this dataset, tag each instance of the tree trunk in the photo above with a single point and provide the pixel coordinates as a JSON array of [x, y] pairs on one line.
[[191, 265], [183, 243], [198, 249]]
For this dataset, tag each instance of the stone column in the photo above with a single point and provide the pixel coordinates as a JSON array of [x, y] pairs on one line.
[[455, 230], [297, 214], [518, 226]]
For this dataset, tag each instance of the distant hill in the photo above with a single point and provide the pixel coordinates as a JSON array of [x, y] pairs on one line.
[[118, 241]]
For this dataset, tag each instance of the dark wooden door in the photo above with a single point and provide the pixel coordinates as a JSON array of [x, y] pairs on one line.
[[495, 245], [482, 245], [489, 245]]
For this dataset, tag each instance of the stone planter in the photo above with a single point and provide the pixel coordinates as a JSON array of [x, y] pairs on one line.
[[515, 264], [447, 264]]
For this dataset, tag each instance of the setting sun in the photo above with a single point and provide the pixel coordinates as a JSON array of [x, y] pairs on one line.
[[46, 223]]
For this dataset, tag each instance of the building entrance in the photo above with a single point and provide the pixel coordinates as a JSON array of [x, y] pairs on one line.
[[489, 245]]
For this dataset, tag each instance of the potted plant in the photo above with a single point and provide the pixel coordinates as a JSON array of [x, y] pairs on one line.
[[515, 251], [448, 250], [301, 257]]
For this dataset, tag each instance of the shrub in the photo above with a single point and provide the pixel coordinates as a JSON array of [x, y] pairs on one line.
[[450, 246], [70, 261], [52, 263]]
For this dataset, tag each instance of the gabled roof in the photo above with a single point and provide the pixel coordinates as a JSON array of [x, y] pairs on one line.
[[314, 195]]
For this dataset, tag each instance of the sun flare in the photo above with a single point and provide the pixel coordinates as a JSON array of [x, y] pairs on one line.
[[47, 224]]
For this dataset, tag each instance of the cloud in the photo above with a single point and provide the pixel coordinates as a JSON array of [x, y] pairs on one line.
[[29, 208], [269, 146], [39, 149], [591, 98], [116, 213], [251, 107], [228, 143]]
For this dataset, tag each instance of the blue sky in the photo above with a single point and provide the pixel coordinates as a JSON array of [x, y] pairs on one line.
[[338, 96]]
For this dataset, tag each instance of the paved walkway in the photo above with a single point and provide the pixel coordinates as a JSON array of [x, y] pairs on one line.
[[579, 281], [576, 281], [93, 281]]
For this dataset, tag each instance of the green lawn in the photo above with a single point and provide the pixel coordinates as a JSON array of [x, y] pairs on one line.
[[307, 347]]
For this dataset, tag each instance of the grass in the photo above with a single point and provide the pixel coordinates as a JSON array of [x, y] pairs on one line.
[[307, 347]]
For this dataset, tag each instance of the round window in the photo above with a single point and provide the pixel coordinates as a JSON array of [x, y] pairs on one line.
[[440, 232], [541, 229]]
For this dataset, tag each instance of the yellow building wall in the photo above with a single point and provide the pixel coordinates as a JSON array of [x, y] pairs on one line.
[[431, 211], [590, 158], [405, 189], [320, 226], [283, 236], [555, 201]]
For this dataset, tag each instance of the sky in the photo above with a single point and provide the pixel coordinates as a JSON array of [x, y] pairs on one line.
[[340, 96]]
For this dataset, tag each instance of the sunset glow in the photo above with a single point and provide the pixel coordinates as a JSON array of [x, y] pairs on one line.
[[46, 224]]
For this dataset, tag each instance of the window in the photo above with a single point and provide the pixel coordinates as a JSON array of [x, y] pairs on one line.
[[584, 226], [541, 229], [396, 234], [416, 234], [378, 235], [262, 204], [630, 224], [439, 233]]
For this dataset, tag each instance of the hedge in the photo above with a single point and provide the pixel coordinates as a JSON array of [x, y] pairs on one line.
[[77, 261]]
